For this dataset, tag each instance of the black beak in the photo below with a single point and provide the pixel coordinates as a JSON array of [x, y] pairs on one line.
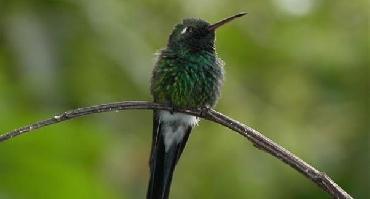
[[224, 21]]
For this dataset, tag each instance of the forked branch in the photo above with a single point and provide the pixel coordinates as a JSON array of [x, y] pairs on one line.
[[258, 140]]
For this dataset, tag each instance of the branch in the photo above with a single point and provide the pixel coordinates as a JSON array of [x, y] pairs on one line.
[[258, 140]]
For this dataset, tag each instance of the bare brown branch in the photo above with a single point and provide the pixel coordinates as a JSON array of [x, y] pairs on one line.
[[258, 140]]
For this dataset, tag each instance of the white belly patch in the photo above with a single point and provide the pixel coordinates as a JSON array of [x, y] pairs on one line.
[[174, 127], [181, 118]]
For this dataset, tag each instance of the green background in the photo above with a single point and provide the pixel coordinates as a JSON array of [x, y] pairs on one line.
[[296, 70]]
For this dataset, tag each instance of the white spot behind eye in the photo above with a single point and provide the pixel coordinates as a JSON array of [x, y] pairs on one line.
[[184, 30]]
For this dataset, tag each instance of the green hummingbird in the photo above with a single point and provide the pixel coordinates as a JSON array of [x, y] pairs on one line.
[[187, 74]]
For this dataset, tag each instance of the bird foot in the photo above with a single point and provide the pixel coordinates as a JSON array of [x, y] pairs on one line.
[[204, 110]]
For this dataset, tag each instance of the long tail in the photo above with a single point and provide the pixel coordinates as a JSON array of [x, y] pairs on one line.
[[169, 139]]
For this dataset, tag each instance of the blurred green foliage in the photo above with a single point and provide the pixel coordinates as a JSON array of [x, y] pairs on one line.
[[297, 70]]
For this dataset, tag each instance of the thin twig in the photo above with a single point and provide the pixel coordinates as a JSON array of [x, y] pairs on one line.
[[258, 140]]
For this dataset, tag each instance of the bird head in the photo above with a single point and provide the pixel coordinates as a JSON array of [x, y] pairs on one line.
[[196, 34]]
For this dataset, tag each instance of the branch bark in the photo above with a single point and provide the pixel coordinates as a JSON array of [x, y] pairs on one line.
[[258, 140]]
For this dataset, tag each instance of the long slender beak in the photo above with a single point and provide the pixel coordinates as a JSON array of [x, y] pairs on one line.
[[224, 21]]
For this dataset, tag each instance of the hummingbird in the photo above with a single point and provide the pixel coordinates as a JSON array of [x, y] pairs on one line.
[[187, 74]]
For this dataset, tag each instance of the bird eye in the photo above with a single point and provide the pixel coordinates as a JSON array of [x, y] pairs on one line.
[[187, 29], [184, 30]]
